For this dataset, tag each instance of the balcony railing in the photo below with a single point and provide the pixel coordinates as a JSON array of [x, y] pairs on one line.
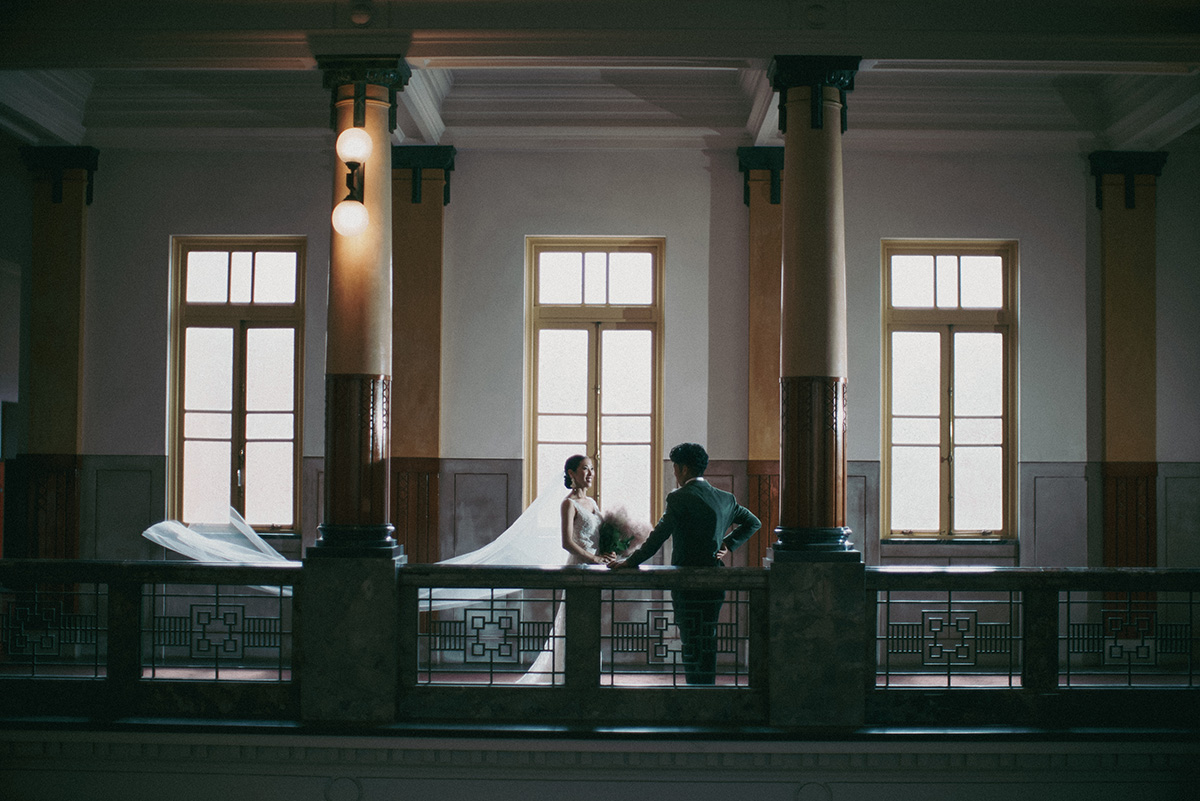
[[480, 646]]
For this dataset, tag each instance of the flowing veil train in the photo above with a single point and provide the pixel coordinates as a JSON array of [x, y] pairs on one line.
[[534, 539]]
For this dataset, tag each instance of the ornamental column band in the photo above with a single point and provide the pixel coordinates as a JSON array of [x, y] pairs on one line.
[[813, 364], [358, 356]]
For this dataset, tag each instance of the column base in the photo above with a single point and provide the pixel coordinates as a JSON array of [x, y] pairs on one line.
[[812, 545], [357, 542]]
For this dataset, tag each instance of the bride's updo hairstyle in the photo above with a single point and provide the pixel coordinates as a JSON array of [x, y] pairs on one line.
[[571, 465]]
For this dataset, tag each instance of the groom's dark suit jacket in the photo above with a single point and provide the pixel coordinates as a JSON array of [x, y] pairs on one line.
[[697, 517]]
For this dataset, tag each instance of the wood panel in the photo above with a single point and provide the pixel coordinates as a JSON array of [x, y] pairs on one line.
[[42, 507], [414, 498], [1130, 514]]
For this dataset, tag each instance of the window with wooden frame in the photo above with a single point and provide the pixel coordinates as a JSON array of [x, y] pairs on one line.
[[949, 421], [594, 365], [236, 359]]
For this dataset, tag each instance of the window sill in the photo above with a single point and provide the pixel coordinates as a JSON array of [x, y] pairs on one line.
[[979, 548]]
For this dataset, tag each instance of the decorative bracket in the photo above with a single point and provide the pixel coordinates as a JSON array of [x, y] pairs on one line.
[[1124, 162], [53, 161], [815, 72], [761, 158], [422, 157], [391, 72]]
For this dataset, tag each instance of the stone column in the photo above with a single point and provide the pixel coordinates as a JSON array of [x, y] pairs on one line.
[[43, 490], [420, 193], [762, 168], [813, 368], [1125, 195], [818, 650], [348, 607], [358, 357]]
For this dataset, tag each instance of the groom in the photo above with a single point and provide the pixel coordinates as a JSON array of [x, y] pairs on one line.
[[697, 517]]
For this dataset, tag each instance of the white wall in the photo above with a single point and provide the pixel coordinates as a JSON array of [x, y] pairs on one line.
[[1041, 201], [497, 199], [141, 201], [1178, 290]]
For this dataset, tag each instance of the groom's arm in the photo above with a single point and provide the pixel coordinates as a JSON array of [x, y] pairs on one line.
[[747, 523], [665, 528]]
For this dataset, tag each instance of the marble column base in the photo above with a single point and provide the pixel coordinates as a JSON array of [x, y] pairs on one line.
[[818, 649], [348, 624]]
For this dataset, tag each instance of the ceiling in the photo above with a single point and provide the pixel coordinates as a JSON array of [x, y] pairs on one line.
[[602, 73]]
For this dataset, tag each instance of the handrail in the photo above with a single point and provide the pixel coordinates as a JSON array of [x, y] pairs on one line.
[[90, 571]]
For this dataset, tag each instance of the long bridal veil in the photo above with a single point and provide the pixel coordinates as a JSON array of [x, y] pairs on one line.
[[533, 540]]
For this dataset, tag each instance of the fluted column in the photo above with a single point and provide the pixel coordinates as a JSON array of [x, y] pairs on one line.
[[358, 358], [420, 193], [762, 168], [43, 481], [1125, 195], [813, 363]]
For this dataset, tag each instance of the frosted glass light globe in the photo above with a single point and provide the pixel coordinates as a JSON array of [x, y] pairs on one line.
[[350, 218], [354, 145]]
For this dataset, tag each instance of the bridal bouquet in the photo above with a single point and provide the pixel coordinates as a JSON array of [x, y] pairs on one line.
[[618, 533]]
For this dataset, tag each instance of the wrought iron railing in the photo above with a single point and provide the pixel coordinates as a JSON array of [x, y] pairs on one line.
[[626, 633], [940, 646]]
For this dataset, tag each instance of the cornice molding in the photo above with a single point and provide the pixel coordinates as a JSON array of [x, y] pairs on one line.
[[45, 104]]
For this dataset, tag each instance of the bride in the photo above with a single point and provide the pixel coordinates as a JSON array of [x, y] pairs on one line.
[[580, 539]]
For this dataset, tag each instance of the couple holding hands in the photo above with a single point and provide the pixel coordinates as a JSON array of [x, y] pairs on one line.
[[698, 520]]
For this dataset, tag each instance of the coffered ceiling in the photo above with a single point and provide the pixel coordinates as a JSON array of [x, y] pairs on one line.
[[495, 74]]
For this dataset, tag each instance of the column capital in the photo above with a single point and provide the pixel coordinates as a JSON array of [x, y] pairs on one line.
[[391, 72], [52, 161], [816, 72], [425, 157], [760, 158], [1127, 163]]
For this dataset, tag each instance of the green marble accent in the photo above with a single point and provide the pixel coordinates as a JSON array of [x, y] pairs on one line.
[[347, 617]]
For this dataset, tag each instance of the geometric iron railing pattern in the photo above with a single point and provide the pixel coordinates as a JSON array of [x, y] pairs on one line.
[[521, 638], [216, 632]]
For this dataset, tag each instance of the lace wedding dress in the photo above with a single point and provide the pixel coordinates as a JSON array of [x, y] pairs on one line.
[[549, 665]]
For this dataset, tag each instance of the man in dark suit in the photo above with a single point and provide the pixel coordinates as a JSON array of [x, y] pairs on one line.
[[697, 518]]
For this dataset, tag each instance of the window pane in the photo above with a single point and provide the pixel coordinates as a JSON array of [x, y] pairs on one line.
[[240, 271], [208, 370], [562, 428], [270, 369], [947, 282], [979, 375], [550, 461], [625, 479], [207, 277], [625, 429], [916, 373], [916, 489], [270, 426], [595, 278], [987, 431], [206, 469], [197, 425], [916, 431], [562, 371], [631, 278], [912, 282], [982, 282], [269, 483], [274, 277], [625, 372], [978, 489], [560, 277]]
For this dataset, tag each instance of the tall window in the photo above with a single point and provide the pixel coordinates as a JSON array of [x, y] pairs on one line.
[[595, 365], [237, 344], [950, 367]]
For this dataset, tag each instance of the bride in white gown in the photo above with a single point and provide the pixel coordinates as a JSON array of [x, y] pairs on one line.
[[580, 536]]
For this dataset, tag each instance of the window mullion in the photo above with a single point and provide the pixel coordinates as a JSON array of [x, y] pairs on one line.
[[238, 451], [947, 424]]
